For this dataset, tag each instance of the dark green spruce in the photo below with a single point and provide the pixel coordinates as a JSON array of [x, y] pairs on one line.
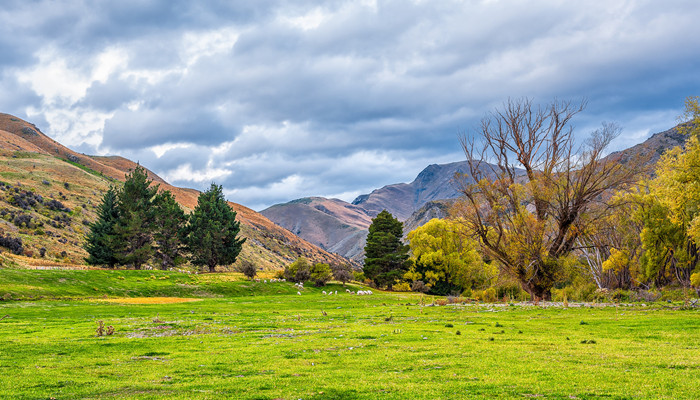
[[136, 223], [211, 234], [100, 241], [168, 227], [386, 257]]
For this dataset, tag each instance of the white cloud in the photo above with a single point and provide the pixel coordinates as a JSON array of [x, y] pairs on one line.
[[278, 100]]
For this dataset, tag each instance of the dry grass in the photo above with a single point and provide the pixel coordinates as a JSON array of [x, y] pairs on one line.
[[150, 300]]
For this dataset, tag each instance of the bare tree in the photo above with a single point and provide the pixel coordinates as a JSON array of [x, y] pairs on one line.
[[529, 187]]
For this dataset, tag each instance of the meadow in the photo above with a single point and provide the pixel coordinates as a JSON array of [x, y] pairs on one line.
[[180, 336]]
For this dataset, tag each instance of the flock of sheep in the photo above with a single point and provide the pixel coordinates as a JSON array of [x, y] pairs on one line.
[[300, 287]]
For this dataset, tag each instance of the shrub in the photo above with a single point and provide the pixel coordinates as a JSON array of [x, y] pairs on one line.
[[419, 286], [320, 274], [55, 205], [511, 290], [247, 269], [12, 244], [298, 271], [646, 295], [22, 219], [401, 287], [342, 273], [487, 295], [359, 276]]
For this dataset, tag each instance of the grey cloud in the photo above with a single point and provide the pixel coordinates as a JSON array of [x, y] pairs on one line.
[[301, 108], [108, 96], [133, 130]]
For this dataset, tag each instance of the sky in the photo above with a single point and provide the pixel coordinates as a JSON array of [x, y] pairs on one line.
[[277, 100]]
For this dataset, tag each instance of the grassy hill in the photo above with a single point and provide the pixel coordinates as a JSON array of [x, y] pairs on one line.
[[37, 173]]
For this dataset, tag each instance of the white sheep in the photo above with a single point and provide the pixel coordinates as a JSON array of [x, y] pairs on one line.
[[324, 292], [299, 293]]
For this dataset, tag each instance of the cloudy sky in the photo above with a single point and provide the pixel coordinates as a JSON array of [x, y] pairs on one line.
[[277, 100]]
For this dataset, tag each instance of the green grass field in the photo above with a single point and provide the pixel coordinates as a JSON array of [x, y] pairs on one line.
[[245, 340]]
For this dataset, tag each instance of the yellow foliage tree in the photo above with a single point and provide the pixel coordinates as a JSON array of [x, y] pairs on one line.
[[670, 210], [446, 258]]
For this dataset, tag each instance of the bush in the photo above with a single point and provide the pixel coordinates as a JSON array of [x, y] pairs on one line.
[[359, 276], [247, 269], [648, 296], [22, 219], [695, 279], [487, 295], [401, 287], [55, 205], [420, 286], [298, 271], [511, 291], [12, 244], [342, 273], [320, 274]]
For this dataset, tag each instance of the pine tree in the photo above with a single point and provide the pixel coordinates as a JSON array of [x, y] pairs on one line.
[[169, 221], [100, 241], [210, 235], [386, 257], [135, 228]]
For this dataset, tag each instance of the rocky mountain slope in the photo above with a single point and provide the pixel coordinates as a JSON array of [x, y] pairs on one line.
[[36, 170], [435, 182]]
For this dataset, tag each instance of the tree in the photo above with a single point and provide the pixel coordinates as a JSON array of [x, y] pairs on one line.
[[342, 273], [670, 211], [134, 230], [386, 257], [100, 240], [299, 270], [321, 274], [211, 234], [168, 224], [447, 259], [529, 192], [611, 246]]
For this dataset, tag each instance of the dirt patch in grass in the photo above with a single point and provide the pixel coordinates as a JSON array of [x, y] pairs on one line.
[[150, 300]]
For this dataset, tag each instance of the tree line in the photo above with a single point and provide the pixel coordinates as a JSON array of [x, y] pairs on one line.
[[543, 211], [137, 224]]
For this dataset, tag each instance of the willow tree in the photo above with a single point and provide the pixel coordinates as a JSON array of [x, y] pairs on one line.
[[530, 189]]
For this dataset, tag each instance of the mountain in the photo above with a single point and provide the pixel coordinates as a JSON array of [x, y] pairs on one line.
[[341, 227], [435, 182], [332, 224], [654, 147], [429, 196], [34, 166], [433, 209]]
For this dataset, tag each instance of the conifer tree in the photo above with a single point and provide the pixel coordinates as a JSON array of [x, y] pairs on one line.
[[100, 240], [169, 222], [211, 234], [135, 228], [386, 257]]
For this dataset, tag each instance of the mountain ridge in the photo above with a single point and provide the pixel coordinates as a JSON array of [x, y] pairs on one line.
[[29, 155], [429, 195]]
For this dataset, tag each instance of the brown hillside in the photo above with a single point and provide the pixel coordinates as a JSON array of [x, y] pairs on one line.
[[268, 246]]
